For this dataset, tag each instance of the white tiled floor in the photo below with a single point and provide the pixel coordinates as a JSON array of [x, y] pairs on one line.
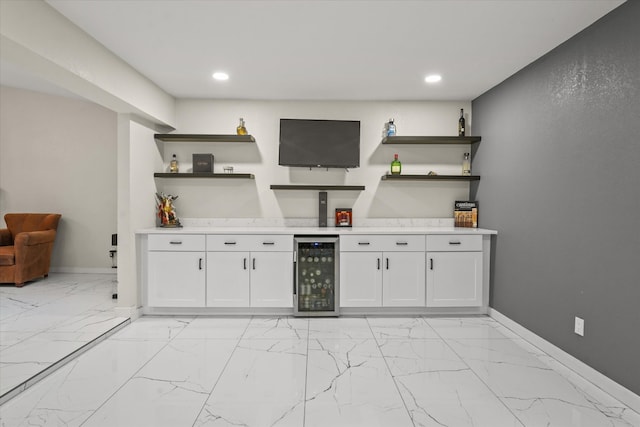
[[48, 319], [392, 372]]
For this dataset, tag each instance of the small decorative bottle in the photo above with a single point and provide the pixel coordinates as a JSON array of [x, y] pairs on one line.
[[466, 165], [241, 130], [391, 128], [173, 166], [396, 166], [461, 123]]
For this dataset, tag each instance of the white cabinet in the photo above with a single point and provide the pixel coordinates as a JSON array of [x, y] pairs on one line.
[[382, 271], [249, 271], [176, 271], [454, 271]]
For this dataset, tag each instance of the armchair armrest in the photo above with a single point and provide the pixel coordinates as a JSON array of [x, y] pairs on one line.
[[5, 237], [32, 238]]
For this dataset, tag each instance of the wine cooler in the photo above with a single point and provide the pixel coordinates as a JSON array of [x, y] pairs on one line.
[[316, 276]]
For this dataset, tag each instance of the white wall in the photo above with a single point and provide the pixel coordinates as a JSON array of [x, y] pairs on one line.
[[240, 198], [59, 155]]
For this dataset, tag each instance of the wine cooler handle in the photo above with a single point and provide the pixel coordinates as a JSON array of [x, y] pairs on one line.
[[431, 263], [200, 264], [294, 276]]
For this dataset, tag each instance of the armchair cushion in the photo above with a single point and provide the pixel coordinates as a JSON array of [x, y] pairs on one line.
[[26, 246]]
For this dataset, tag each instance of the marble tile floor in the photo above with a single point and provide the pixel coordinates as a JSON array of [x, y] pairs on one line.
[[49, 321], [350, 371]]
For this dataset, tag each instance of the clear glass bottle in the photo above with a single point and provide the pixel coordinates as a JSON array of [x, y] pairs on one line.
[[461, 124], [391, 128], [241, 129], [396, 166], [466, 165], [173, 165]]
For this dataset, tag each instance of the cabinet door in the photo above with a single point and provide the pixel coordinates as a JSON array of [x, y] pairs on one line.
[[176, 279], [454, 279], [228, 279], [403, 282], [271, 279], [361, 279]]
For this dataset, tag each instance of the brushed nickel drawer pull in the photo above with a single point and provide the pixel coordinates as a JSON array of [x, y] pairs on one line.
[[455, 243], [229, 243], [268, 243], [402, 243], [175, 242], [363, 243]]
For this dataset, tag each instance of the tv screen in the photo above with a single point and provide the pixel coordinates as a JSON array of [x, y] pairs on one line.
[[319, 143]]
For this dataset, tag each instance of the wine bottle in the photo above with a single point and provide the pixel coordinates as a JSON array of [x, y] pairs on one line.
[[396, 166], [461, 123], [241, 129], [173, 166], [466, 165]]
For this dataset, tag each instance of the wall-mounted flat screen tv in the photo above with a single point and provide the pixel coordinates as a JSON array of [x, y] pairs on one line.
[[319, 143]]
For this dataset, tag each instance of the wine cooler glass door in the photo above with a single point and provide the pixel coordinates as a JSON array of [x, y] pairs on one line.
[[316, 276]]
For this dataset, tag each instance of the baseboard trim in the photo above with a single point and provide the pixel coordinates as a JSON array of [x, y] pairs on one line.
[[82, 270], [616, 390], [131, 312]]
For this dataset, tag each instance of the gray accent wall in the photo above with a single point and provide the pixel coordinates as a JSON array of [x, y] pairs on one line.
[[560, 167]]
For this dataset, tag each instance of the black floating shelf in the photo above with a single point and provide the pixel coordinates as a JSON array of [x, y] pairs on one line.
[[430, 178], [205, 175], [453, 140], [187, 137], [319, 187]]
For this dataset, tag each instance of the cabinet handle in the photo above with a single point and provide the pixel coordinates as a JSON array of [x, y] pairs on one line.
[[363, 243], [244, 263], [387, 263], [431, 263], [402, 243], [455, 242], [268, 243], [175, 242], [378, 263], [200, 264], [254, 263], [229, 243]]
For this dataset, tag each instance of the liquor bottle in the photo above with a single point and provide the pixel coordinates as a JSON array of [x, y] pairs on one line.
[[173, 166], [241, 130], [396, 166], [391, 128], [461, 123], [466, 165]]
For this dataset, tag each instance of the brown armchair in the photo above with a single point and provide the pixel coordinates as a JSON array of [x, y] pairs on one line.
[[26, 245]]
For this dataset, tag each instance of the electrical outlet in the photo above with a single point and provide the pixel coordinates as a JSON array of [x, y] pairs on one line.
[[579, 326]]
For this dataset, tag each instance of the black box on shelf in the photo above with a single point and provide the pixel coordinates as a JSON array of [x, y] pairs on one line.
[[203, 163]]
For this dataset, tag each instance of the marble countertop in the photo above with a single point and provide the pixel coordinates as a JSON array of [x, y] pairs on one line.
[[343, 231]]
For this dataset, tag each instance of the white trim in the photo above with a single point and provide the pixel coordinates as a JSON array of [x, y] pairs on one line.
[[132, 312], [605, 383], [83, 270]]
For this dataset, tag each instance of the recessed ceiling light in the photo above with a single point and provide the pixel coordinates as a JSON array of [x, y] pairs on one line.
[[219, 75], [433, 78]]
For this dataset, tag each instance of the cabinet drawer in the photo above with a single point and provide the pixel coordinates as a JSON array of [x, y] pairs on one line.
[[249, 242], [176, 242], [382, 243], [454, 242]]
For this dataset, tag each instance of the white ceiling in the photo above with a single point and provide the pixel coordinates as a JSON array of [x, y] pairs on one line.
[[333, 50]]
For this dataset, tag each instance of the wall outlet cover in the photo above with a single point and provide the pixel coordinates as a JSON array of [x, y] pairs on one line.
[[579, 326]]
